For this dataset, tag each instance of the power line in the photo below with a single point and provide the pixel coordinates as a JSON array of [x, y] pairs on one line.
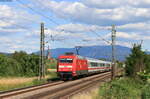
[[25, 18], [16, 25], [55, 21], [41, 14], [101, 37]]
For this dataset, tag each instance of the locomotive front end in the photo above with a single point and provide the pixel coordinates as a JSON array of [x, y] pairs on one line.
[[65, 67]]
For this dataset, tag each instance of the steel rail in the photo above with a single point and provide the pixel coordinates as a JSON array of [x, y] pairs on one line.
[[67, 87], [56, 90], [83, 86], [27, 89]]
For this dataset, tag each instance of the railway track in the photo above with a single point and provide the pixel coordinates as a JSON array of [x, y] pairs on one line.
[[75, 88], [15, 92], [56, 90]]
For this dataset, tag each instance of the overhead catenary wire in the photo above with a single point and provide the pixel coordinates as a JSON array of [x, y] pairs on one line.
[[108, 42], [53, 20], [37, 12], [19, 26]]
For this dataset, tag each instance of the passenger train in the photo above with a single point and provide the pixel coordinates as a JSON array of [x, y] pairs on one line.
[[71, 66]]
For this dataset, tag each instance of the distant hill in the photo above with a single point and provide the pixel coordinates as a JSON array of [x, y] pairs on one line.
[[98, 52]]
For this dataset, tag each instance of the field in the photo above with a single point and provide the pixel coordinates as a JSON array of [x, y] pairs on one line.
[[20, 82], [8, 82]]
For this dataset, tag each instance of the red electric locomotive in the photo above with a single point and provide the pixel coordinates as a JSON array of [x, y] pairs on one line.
[[71, 65]]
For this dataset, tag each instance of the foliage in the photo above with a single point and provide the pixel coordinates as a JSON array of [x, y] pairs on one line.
[[19, 64], [124, 88], [147, 63], [146, 92], [120, 64], [138, 61], [144, 75], [9, 66]]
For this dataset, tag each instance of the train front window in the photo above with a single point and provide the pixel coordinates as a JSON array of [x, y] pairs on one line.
[[66, 60]]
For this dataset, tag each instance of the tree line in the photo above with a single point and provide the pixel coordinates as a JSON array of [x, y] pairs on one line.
[[23, 64], [19, 64]]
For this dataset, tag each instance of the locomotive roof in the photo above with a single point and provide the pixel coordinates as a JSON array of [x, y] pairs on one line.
[[90, 59], [97, 60], [93, 60]]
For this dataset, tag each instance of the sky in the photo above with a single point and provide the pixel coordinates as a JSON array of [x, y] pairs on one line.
[[70, 23]]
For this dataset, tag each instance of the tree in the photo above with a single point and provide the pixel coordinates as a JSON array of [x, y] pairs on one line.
[[9, 66], [136, 61], [147, 63], [29, 63]]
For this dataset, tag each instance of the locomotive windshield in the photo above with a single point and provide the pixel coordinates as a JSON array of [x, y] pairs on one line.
[[66, 60]]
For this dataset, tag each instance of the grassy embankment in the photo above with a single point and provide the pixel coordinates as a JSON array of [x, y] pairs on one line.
[[20, 82], [124, 88], [7, 83]]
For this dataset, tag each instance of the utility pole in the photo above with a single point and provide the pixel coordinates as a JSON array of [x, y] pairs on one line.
[[42, 45], [77, 49], [113, 36]]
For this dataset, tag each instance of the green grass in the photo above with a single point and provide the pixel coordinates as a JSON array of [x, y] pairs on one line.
[[8, 86], [26, 84], [146, 92], [124, 88], [21, 82], [52, 74]]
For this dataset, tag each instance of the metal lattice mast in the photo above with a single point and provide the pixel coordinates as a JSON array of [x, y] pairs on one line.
[[41, 60], [113, 36]]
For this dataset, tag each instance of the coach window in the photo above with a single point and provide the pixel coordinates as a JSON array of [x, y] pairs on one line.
[[104, 65], [99, 65], [93, 64]]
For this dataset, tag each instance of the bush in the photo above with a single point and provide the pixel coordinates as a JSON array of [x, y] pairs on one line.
[[9, 66], [126, 88], [144, 76], [146, 92], [29, 63], [19, 64]]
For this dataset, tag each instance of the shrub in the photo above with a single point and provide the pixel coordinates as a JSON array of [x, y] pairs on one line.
[[146, 92]]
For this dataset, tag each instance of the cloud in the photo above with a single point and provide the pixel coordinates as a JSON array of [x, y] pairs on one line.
[[135, 27], [14, 24], [80, 12], [105, 4], [18, 30], [18, 43], [127, 44], [132, 36], [72, 27], [15, 18]]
